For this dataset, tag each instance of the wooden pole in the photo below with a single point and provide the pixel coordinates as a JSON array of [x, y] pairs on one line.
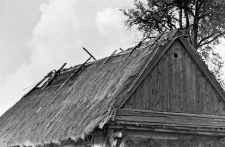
[[110, 56], [89, 53], [81, 66], [53, 76]]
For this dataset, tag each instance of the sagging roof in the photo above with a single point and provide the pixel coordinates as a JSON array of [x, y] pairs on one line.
[[54, 112]]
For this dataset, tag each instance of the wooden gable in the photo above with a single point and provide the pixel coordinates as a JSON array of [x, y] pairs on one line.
[[177, 83]]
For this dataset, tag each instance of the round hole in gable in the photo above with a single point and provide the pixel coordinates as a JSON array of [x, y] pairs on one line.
[[175, 55]]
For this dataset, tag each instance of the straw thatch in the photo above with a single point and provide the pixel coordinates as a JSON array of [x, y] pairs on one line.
[[46, 115]]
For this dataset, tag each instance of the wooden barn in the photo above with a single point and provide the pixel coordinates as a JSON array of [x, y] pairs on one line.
[[160, 94]]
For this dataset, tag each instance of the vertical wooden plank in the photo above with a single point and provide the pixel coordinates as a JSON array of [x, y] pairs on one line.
[[177, 77], [135, 100], [209, 98], [197, 89], [164, 83], [157, 89], [201, 100], [206, 99], [142, 95], [145, 93], [214, 101], [154, 98], [174, 98], [161, 89], [132, 101], [203, 93], [153, 90], [192, 82], [183, 83], [150, 100], [170, 83], [138, 96], [188, 84], [181, 79], [221, 105], [147, 89], [157, 106], [158, 81], [174, 90]]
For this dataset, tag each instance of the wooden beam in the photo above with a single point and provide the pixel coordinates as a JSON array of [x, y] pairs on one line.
[[151, 118], [89, 53], [150, 112], [164, 129], [110, 56], [161, 132], [77, 70], [57, 72]]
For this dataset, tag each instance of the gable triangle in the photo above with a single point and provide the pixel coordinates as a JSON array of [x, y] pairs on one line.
[[179, 83]]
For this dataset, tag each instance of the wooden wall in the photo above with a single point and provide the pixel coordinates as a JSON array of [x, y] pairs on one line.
[[153, 139], [176, 84]]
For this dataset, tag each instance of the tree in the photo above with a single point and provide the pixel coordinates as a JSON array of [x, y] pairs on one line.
[[202, 20]]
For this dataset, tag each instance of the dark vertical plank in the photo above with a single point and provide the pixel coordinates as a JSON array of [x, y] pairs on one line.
[[206, 98], [150, 92], [174, 65], [170, 83], [181, 80], [135, 99], [209, 98], [145, 93], [203, 101], [183, 83], [192, 86], [214, 100], [221, 105], [173, 84], [139, 97], [142, 99], [137, 92], [158, 91], [201, 98], [164, 83], [132, 102], [154, 100], [162, 87], [188, 84], [177, 77], [197, 90]]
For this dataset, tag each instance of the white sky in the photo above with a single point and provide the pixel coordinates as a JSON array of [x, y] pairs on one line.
[[37, 36]]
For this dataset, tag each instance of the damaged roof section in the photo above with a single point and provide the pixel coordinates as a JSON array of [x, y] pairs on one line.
[[52, 112]]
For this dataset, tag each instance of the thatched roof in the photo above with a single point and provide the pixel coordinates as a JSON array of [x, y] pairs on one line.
[[46, 115]]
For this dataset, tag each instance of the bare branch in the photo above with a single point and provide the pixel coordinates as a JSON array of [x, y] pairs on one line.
[[211, 40]]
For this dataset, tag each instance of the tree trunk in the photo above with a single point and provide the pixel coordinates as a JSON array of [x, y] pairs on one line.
[[195, 25], [180, 17]]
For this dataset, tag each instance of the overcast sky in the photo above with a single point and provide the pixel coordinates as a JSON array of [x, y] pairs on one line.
[[37, 36]]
